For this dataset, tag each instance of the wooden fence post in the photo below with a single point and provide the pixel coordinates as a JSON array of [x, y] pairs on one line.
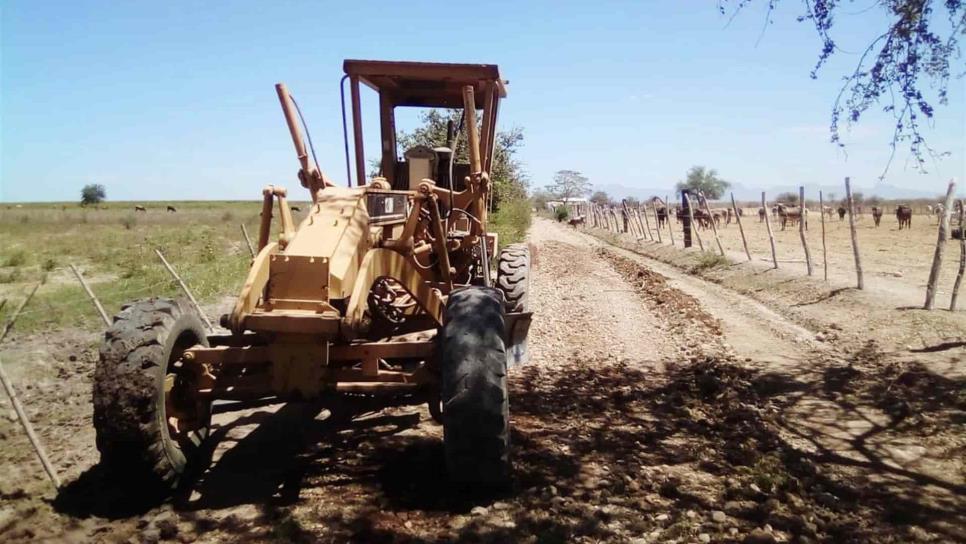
[[821, 209], [16, 313], [802, 218], [17, 407], [657, 222], [694, 228], [647, 224], [860, 282], [962, 257], [771, 235], [741, 229], [97, 303], [28, 428], [201, 313], [667, 211], [714, 228], [937, 259], [251, 249]]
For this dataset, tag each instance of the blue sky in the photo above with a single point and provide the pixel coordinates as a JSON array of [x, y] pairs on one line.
[[175, 100]]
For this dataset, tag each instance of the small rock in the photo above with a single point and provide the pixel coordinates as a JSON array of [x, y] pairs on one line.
[[704, 537], [500, 506], [690, 514], [718, 516], [168, 528], [759, 536], [457, 523], [479, 511], [662, 517], [408, 525], [553, 490], [151, 535], [755, 488]]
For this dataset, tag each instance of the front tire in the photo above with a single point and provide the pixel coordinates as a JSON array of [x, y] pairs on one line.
[[476, 409], [149, 429]]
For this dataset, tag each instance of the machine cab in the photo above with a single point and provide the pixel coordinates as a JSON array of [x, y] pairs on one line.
[[424, 85]]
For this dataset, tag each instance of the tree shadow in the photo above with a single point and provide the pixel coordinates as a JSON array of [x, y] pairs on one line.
[[600, 451]]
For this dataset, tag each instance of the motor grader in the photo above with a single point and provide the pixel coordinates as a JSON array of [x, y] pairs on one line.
[[384, 290]]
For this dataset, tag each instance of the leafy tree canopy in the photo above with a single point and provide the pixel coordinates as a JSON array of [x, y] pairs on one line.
[[904, 70], [569, 184], [509, 179], [93, 193], [600, 198], [704, 180]]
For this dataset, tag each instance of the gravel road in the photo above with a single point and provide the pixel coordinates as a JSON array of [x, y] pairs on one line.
[[657, 408]]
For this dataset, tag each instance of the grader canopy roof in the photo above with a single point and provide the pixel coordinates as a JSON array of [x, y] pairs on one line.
[[426, 84]]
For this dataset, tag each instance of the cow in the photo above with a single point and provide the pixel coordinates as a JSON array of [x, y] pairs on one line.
[[761, 215], [296, 209], [574, 221], [876, 215], [828, 211], [939, 209], [904, 216], [140, 209], [792, 213], [172, 209], [841, 211]]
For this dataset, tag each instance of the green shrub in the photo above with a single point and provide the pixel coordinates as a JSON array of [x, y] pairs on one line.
[[16, 258], [511, 221], [561, 213], [11, 276], [129, 221], [707, 261], [48, 264]]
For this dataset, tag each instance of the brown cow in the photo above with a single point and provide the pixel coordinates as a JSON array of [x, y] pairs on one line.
[[579, 220], [877, 215], [140, 209], [761, 215], [793, 214], [296, 209], [841, 211], [904, 215], [171, 209]]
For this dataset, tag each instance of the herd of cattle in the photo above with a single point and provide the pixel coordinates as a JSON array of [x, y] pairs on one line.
[[785, 214]]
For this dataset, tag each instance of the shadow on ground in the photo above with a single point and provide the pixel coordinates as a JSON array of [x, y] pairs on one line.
[[604, 451]]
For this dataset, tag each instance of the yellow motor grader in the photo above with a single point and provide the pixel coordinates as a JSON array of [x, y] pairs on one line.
[[384, 289]]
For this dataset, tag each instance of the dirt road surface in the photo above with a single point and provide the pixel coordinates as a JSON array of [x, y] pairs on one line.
[[658, 407]]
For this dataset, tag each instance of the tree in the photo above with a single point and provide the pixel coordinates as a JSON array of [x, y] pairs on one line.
[[539, 199], [790, 198], [93, 193], [509, 179], [904, 70], [600, 198], [569, 184], [632, 202], [705, 181]]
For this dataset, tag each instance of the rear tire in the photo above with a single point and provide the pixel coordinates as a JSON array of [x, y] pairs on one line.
[[476, 409], [133, 430], [513, 277]]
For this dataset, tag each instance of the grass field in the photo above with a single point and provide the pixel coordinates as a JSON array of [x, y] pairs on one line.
[[113, 246]]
